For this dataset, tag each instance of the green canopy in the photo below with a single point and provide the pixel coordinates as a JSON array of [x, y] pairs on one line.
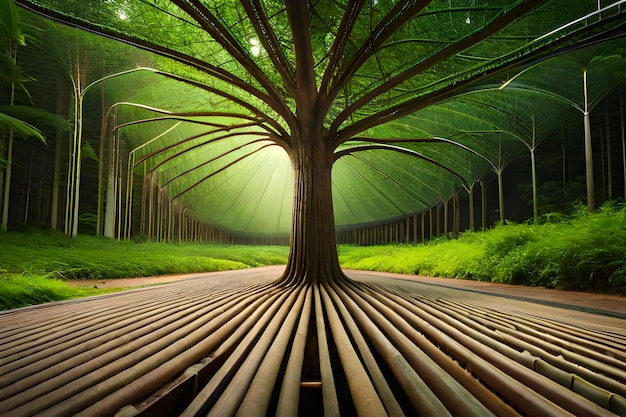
[[427, 98]]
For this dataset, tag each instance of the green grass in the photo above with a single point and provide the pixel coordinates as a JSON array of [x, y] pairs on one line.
[[584, 252], [89, 257], [35, 265], [23, 290]]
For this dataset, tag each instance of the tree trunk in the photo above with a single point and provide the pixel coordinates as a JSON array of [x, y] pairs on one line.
[[313, 257], [533, 167], [500, 196], [470, 194], [591, 202], [12, 48], [621, 119], [609, 159]]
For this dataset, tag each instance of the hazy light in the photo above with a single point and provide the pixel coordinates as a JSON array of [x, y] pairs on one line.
[[255, 48], [468, 20], [122, 15]]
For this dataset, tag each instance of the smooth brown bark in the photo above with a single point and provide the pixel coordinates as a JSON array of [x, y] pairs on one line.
[[313, 255]]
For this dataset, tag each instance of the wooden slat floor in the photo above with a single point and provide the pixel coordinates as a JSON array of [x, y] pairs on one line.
[[232, 343]]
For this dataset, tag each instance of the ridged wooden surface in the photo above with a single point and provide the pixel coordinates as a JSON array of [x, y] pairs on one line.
[[235, 344]]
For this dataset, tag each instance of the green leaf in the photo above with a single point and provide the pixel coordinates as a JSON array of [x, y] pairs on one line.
[[20, 127]]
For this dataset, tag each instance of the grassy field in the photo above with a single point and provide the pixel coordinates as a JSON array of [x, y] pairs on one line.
[[584, 252], [34, 266]]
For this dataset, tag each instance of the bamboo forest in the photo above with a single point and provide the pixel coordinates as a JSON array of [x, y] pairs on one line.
[[279, 149]]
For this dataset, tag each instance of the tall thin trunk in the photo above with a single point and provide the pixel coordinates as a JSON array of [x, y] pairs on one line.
[[470, 193], [29, 183], [79, 128], [533, 167], [99, 225], [71, 174], [446, 216], [457, 216], [500, 184], [110, 189], [591, 201], [621, 118], [500, 195], [609, 159], [430, 223], [9, 160], [7, 182], [483, 204], [313, 254], [563, 160], [438, 217]]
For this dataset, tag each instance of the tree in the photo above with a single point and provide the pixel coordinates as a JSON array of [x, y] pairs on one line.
[[313, 76], [345, 88]]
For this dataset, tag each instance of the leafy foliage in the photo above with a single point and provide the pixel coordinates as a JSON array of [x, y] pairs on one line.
[[88, 257], [374, 72], [20, 290], [583, 252]]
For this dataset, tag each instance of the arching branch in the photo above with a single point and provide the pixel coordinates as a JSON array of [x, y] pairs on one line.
[[212, 70], [181, 119], [589, 35], [222, 137], [402, 12], [280, 131], [500, 21], [433, 139], [211, 24], [269, 41], [221, 169], [399, 149], [348, 21], [182, 174]]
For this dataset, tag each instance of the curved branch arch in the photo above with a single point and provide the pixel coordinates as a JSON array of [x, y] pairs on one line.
[[431, 140], [213, 140], [399, 149], [177, 176], [249, 154], [501, 20]]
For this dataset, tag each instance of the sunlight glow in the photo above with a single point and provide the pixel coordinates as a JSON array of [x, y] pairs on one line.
[[255, 48]]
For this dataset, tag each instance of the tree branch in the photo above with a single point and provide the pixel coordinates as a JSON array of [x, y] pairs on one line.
[[411, 152], [270, 42], [402, 12], [270, 121], [207, 21], [434, 139], [343, 34], [500, 21], [212, 160], [298, 15], [220, 170], [212, 70], [171, 146]]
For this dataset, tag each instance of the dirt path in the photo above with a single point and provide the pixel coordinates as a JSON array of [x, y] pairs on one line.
[[134, 282]]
